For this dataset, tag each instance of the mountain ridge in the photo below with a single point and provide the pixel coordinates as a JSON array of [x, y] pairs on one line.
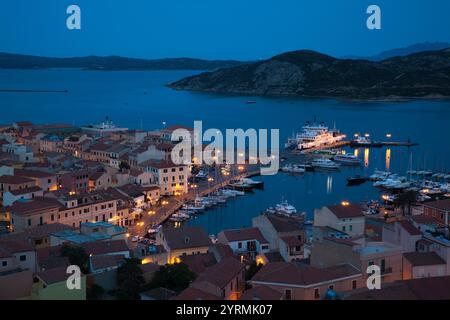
[[307, 73]]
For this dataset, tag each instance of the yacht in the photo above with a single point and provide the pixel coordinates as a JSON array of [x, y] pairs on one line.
[[285, 208], [293, 168], [325, 164], [314, 135], [348, 158], [356, 180], [106, 126]]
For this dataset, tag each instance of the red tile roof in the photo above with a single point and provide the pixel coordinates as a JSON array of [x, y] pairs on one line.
[[105, 247], [348, 211], [261, 293], [34, 206], [14, 180], [292, 273], [423, 258], [106, 261], [292, 241], [439, 204], [284, 224], [244, 234], [220, 274], [19, 192], [54, 275], [186, 237], [9, 247], [33, 173], [410, 228]]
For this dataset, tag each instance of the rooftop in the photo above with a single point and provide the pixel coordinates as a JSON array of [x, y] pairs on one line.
[[423, 258], [347, 211], [439, 204], [186, 237], [244, 234]]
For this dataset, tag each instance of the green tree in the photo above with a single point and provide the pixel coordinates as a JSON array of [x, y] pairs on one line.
[[129, 280], [76, 255], [404, 200], [176, 277]]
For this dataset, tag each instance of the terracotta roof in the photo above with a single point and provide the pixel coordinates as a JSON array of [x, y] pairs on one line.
[[244, 234], [292, 273], [261, 293], [341, 241], [426, 220], [423, 258], [439, 204], [19, 192], [195, 294], [349, 211], [220, 274], [160, 164], [8, 247], [186, 237], [106, 261], [54, 275], [199, 262], [34, 206], [33, 173], [104, 247], [410, 228], [292, 241], [14, 180], [37, 232], [284, 224], [433, 288]]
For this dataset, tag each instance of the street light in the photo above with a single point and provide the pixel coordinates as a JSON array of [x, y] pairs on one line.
[[388, 135]]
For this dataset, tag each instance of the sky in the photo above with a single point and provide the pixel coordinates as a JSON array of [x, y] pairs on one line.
[[218, 29]]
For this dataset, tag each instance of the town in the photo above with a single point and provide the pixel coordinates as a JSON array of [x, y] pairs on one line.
[[114, 202]]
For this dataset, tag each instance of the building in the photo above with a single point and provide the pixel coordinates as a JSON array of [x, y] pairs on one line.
[[183, 241], [224, 280], [402, 233], [439, 210], [244, 241], [361, 254], [47, 181], [284, 235], [51, 284], [11, 183], [436, 288], [19, 152], [171, 178], [423, 264], [296, 281], [9, 197], [345, 217]]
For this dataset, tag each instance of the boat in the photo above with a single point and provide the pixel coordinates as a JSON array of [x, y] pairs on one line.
[[285, 208], [348, 158], [106, 127], [293, 168], [201, 175], [356, 180], [323, 163], [314, 135], [254, 183], [240, 185], [364, 141]]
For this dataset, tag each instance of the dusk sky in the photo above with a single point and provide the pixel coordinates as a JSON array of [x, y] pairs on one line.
[[218, 29]]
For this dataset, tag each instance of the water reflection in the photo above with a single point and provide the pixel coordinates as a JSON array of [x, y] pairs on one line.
[[366, 157], [329, 184], [388, 159], [356, 152]]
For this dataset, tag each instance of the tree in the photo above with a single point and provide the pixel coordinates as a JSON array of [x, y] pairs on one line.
[[129, 280], [176, 277], [124, 166], [76, 255], [404, 200]]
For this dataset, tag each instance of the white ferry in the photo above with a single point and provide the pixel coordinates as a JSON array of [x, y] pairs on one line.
[[314, 135], [106, 126]]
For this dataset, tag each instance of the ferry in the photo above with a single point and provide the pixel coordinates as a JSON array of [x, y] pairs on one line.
[[314, 135], [106, 126], [348, 158]]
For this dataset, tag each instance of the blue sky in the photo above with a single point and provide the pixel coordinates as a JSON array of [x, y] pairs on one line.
[[218, 29]]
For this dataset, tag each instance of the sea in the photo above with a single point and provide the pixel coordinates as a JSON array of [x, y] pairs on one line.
[[141, 100]]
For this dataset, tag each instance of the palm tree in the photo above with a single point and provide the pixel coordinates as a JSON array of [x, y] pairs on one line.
[[405, 199]]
